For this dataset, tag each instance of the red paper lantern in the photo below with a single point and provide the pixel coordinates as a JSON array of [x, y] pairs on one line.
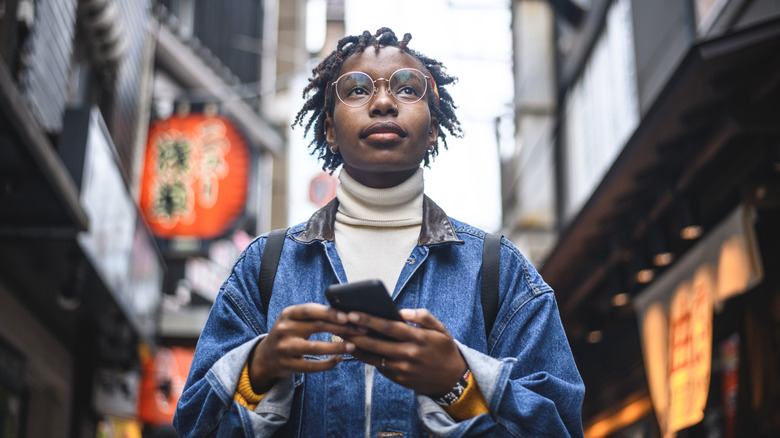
[[196, 176], [162, 384]]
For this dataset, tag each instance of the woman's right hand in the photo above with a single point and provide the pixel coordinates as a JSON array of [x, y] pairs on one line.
[[281, 353]]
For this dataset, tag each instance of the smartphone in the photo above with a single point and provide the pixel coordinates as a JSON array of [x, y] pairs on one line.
[[368, 296]]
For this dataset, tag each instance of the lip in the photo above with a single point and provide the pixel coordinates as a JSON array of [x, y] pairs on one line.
[[383, 128]]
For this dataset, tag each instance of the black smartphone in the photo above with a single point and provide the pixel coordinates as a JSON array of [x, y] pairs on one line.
[[368, 296]]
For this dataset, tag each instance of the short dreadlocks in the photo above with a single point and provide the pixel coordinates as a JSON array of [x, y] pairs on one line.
[[320, 101]]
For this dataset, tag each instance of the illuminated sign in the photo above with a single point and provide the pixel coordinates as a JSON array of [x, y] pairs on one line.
[[162, 383], [196, 176], [117, 243], [675, 318]]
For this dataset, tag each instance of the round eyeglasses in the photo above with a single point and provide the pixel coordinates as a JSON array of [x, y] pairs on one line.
[[406, 85]]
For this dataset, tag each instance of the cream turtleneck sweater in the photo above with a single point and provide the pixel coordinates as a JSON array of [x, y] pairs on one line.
[[377, 229]]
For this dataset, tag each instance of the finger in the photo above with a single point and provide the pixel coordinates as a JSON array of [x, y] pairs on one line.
[[304, 329], [297, 348], [423, 318], [314, 311], [395, 329], [368, 348]]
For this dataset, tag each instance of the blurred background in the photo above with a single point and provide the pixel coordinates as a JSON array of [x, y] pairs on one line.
[[630, 148]]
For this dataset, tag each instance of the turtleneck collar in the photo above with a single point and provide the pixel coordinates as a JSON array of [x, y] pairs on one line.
[[400, 205]]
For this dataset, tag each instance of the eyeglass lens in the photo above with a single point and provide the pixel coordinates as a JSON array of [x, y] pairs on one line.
[[356, 88]]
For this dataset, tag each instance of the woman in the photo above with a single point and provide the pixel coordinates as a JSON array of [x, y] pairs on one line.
[[301, 368]]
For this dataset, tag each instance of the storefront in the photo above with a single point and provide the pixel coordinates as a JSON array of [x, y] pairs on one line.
[[80, 280], [685, 344], [708, 329]]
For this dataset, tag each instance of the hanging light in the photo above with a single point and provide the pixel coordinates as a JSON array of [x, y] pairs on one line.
[[594, 336], [617, 288], [690, 229], [645, 271], [659, 248]]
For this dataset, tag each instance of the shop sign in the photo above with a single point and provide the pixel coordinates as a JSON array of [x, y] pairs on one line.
[[196, 176], [115, 392], [206, 275], [110, 427], [163, 381], [117, 243], [675, 317]]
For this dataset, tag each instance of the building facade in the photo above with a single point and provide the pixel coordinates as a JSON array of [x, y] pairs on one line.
[[646, 191], [94, 294], [81, 275]]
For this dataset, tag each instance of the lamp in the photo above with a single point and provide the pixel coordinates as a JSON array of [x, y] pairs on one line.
[[645, 271], [659, 249], [594, 336], [690, 229], [617, 288]]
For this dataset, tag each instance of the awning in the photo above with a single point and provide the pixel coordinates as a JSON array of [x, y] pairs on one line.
[[705, 134]]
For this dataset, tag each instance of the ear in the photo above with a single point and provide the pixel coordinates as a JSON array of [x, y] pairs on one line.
[[330, 134], [433, 133]]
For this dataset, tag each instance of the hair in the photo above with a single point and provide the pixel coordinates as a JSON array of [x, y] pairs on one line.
[[320, 101]]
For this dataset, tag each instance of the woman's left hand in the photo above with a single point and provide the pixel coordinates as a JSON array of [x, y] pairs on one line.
[[424, 359]]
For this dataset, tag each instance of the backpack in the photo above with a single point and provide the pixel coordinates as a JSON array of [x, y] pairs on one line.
[[491, 257]]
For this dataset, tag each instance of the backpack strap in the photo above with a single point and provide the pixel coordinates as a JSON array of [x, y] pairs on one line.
[[269, 263], [491, 260]]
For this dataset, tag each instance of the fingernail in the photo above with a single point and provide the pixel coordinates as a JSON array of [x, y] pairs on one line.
[[350, 347], [353, 317], [341, 317], [407, 313]]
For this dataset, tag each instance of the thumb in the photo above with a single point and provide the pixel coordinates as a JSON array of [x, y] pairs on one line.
[[423, 318]]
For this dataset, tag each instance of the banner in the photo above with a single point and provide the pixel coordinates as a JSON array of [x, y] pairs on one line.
[[675, 318]]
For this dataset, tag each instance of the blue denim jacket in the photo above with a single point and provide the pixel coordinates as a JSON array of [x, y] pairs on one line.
[[524, 368]]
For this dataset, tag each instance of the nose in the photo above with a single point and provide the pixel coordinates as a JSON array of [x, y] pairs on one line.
[[383, 102]]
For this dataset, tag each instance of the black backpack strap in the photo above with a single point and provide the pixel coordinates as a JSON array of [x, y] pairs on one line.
[[269, 263], [491, 259]]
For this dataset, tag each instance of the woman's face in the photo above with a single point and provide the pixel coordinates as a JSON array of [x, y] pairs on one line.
[[384, 141]]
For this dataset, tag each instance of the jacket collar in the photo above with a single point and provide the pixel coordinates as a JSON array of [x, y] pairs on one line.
[[436, 227]]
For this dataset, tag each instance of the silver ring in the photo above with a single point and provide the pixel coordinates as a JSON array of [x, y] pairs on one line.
[[382, 365]]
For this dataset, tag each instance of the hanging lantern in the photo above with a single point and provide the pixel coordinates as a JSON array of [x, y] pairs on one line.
[[196, 175]]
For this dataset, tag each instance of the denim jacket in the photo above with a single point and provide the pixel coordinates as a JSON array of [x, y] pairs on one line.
[[524, 368]]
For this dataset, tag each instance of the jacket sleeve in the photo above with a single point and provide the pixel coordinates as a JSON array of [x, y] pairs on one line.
[[529, 378], [235, 324]]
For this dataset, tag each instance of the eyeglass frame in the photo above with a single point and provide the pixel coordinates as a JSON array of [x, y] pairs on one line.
[[376, 88]]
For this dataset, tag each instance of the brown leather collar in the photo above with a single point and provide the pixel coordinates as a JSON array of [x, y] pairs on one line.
[[436, 227]]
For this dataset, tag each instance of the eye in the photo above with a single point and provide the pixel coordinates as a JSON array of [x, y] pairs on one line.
[[407, 90], [358, 91]]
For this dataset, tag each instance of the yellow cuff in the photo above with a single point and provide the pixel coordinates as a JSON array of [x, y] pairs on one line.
[[470, 404], [245, 395]]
